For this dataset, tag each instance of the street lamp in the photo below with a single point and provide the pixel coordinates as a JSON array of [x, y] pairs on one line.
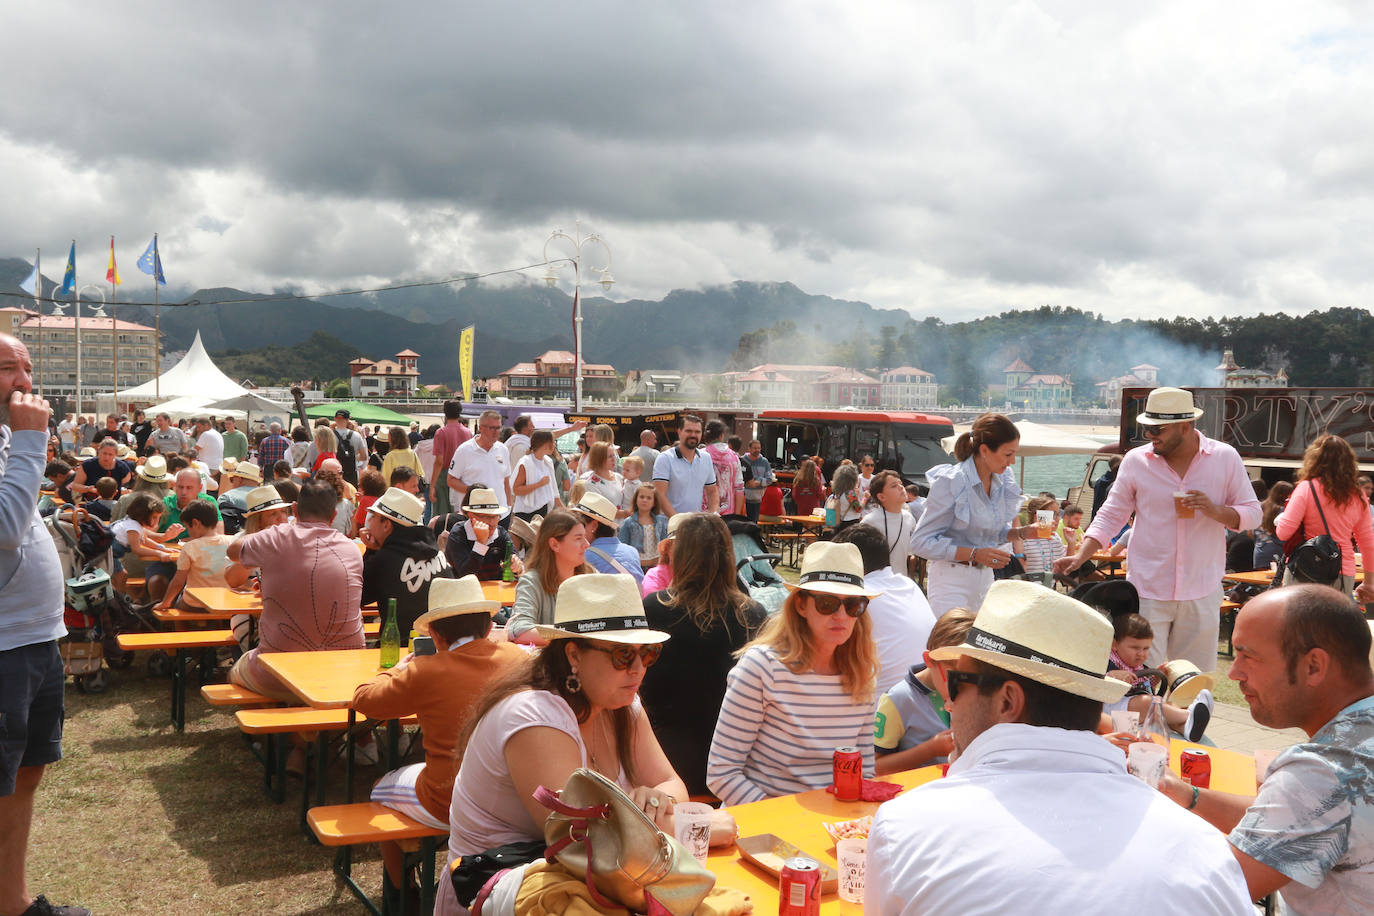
[[552, 266], [99, 313]]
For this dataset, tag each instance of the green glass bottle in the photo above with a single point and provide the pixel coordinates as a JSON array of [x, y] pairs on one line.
[[507, 574], [391, 637]]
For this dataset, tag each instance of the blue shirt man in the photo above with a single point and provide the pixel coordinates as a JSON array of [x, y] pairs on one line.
[[685, 478]]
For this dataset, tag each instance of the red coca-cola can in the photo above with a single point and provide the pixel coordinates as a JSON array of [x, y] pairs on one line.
[[849, 773], [799, 887], [1196, 767]]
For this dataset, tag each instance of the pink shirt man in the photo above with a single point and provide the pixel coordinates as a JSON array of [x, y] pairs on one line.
[[1175, 559]]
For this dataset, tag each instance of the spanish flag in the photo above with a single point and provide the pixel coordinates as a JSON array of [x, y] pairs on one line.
[[112, 272]]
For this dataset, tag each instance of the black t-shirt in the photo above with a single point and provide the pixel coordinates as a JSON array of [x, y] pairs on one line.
[[141, 432], [121, 471], [683, 691], [403, 568]]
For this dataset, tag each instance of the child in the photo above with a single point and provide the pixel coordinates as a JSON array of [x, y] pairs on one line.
[[202, 561], [533, 484], [60, 476], [912, 726], [632, 468], [137, 541], [1132, 638]]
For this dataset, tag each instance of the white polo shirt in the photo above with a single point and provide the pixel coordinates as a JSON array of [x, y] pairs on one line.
[[480, 467], [210, 448]]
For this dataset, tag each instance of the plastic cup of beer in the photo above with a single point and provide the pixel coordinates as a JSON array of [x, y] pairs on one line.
[[851, 855], [1044, 523], [1125, 720], [1181, 510], [692, 828], [1147, 762]]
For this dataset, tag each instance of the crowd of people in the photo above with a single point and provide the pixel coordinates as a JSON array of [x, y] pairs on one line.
[[634, 648]]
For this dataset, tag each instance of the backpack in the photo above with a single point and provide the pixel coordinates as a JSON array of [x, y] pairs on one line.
[[347, 456]]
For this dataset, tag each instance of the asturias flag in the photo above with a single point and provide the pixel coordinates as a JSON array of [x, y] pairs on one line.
[[112, 272], [150, 262], [69, 278]]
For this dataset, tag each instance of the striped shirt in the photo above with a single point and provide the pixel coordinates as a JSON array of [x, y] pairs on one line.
[[778, 730]]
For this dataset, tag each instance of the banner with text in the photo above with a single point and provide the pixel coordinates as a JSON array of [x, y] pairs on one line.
[[465, 359]]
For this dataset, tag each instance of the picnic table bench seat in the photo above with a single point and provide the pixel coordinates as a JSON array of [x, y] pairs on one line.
[[361, 823], [178, 643]]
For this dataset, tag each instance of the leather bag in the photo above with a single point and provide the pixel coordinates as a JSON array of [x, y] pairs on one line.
[[1317, 559], [596, 831]]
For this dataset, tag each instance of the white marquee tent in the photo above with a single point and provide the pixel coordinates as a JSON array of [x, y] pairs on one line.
[[195, 376]]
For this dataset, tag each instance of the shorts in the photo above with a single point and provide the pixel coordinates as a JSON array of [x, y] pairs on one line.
[[160, 568], [396, 790], [31, 710]]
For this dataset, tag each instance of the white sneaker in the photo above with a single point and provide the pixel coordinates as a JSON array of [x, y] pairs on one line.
[[1199, 714]]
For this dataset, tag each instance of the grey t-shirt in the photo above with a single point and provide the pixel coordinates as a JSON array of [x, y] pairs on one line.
[[167, 441], [31, 598]]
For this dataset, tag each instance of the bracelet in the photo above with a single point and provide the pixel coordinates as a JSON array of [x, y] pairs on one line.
[[1193, 804]]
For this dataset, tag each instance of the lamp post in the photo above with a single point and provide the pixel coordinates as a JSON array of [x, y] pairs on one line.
[[100, 312], [577, 240]]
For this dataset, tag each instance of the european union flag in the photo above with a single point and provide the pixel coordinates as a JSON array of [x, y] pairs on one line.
[[150, 262], [69, 278]]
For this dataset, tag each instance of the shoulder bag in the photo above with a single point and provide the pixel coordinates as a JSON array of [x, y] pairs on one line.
[[1317, 559]]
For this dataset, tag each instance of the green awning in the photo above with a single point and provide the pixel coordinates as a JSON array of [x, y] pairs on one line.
[[360, 412]]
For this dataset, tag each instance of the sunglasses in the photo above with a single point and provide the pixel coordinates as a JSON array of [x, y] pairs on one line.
[[826, 605], [954, 678], [622, 657]]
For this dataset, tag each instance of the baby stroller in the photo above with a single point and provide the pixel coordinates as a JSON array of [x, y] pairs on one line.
[[754, 564], [95, 613]]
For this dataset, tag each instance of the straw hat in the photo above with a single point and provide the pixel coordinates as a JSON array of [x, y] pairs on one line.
[[263, 499], [230, 466], [1038, 633], [526, 531], [154, 470], [451, 597], [396, 505], [481, 501], [87, 452], [124, 452], [674, 524], [836, 569], [1168, 405], [594, 505], [599, 606], [1183, 682], [247, 470]]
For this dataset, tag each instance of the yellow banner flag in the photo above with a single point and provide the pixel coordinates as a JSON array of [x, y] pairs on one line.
[[465, 359]]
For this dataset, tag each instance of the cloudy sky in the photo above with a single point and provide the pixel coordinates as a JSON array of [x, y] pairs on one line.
[[953, 159]]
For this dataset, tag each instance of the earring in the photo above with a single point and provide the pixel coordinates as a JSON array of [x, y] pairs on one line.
[[572, 683]]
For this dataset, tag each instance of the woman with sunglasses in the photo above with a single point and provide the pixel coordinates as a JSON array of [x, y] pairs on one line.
[[710, 618], [574, 704], [802, 688], [969, 515]]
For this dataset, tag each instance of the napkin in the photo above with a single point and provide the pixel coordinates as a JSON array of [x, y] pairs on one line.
[[874, 790]]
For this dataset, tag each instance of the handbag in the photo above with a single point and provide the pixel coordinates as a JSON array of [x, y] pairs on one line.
[[595, 830], [1317, 559]]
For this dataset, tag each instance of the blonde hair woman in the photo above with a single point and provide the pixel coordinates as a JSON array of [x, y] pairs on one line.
[[802, 688]]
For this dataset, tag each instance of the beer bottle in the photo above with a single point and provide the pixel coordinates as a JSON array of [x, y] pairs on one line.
[[507, 574], [391, 637]]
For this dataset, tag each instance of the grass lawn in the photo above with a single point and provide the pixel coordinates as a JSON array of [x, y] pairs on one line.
[[139, 819]]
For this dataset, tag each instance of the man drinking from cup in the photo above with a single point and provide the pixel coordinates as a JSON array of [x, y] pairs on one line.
[[1176, 559]]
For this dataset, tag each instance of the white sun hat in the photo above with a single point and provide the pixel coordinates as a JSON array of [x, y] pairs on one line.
[[836, 569], [1038, 633], [1168, 405], [601, 606]]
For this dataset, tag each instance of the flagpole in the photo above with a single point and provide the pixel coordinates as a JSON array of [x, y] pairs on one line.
[[76, 299], [157, 331], [38, 307], [114, 324]]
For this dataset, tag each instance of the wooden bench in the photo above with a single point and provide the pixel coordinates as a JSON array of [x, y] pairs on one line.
[[346, 826], [180, 644], [233, 695]]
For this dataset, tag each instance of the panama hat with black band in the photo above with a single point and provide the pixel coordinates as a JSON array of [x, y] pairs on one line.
[[482, 501], [154, 470], [1169, 405], [836, 569], [1042, 635], [398, 506], [601, 606], [595, 506], [264, 499], [452, 597]]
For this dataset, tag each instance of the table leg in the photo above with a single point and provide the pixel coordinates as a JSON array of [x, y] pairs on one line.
[[179, 691], [393, 743], [428, 849], [348, 754]]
